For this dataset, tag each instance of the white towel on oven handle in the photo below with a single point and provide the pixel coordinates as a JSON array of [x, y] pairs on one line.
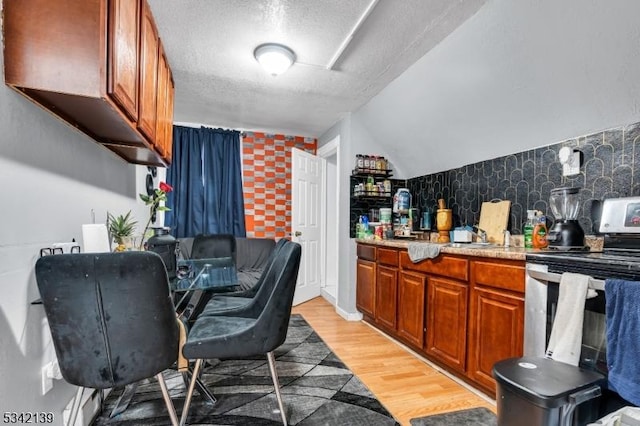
[[566, 334]]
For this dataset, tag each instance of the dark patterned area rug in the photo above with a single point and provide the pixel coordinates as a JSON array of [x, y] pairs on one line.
[[473, 416], [317, 389]]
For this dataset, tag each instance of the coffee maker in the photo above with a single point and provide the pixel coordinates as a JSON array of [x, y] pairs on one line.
[[566, 233]]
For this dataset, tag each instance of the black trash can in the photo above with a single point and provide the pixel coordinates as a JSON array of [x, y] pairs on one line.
[[536, 391]]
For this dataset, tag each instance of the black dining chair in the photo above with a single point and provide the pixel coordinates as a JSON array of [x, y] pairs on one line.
[[111, 319], [226, 302], [207, 246], [257, 331]]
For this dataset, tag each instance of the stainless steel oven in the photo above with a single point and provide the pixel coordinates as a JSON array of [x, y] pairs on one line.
[[620, 258]]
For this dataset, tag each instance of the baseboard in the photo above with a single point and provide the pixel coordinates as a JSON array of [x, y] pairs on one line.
[[328, 296], [436, 367], [349, 316]]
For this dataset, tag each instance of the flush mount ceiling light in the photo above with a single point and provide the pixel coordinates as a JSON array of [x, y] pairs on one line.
[[274, 58]]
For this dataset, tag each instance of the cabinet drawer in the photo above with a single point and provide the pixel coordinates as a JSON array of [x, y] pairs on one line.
[[366, 252], [388, 256], [448, 266], [505, 274]]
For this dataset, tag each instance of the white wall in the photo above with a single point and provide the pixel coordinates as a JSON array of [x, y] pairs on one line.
[[346, 302], [51, 177], [331, 278], [517, 75]]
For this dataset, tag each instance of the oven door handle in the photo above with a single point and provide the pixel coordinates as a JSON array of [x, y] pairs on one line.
[[555, 278]]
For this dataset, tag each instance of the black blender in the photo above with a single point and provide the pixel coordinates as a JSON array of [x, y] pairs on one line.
[[566, 233]]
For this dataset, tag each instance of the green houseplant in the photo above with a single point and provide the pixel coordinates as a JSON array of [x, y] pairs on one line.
[[121, 229]]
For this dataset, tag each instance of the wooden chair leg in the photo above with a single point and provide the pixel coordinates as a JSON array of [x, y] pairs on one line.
[[167, 399], [276, 385], [192, 385]]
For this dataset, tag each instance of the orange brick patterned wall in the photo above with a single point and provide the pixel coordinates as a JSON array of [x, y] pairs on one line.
[[266, 176]]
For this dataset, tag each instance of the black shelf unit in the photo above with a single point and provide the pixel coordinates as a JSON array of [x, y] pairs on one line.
[[361, 204], [372, 172]]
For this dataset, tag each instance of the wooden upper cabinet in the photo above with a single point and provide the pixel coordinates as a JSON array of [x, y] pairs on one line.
[[168, 139], [149, 48], [161, 102], [124, 42], [164, 116], [93, 64]]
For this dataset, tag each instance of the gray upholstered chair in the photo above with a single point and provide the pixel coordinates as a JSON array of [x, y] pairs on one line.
[[206, 246], [111, 319], [258, 330], [229, 302]]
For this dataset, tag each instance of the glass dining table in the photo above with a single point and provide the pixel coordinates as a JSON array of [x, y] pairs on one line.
[[198, 278]]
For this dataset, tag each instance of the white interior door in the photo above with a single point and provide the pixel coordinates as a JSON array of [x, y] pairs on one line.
[[307, 179]]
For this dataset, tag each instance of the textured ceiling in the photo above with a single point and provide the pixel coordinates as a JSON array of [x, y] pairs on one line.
[[210, 46]]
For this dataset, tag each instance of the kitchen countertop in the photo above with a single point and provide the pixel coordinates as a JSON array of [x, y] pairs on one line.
[[496, 252]]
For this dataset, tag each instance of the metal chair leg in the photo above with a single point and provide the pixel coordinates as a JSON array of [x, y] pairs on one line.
[[123, 402], [276, 385], [75, 408], [200, 387], [167, 399], [192, 385]]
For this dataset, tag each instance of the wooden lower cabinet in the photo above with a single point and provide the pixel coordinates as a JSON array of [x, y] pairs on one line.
[[386, 296], [496, 330], [447, 322], [365, 286], [463, 312], [411, 301]]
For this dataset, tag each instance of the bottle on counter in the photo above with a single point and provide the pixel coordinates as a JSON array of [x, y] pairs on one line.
[[539, 235], [528, 229]]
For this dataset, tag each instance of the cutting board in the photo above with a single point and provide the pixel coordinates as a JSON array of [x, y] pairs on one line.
[[494, 216]]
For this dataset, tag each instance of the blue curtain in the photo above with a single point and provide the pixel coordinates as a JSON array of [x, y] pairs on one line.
[[206, 177]]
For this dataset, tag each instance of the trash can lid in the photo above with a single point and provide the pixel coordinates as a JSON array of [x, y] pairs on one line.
[[543, 381]]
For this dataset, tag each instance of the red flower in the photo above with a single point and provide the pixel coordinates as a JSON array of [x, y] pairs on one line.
[[153, 201], [165, 187]]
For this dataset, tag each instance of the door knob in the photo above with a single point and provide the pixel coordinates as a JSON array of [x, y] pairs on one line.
[[297, 233]]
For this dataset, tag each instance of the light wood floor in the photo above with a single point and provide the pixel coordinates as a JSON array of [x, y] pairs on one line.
[[407, 386]]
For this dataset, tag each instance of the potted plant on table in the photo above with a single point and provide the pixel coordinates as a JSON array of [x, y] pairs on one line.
[[121, 229]]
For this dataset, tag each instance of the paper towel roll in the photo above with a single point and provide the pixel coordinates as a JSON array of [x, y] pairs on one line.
[[95, 238]]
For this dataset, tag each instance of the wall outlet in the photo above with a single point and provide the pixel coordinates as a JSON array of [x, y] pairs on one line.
[[50, 372], [572, 167], [47, 381], [570, 160]]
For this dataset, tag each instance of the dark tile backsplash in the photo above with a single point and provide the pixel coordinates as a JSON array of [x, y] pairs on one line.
[[611, 168]]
